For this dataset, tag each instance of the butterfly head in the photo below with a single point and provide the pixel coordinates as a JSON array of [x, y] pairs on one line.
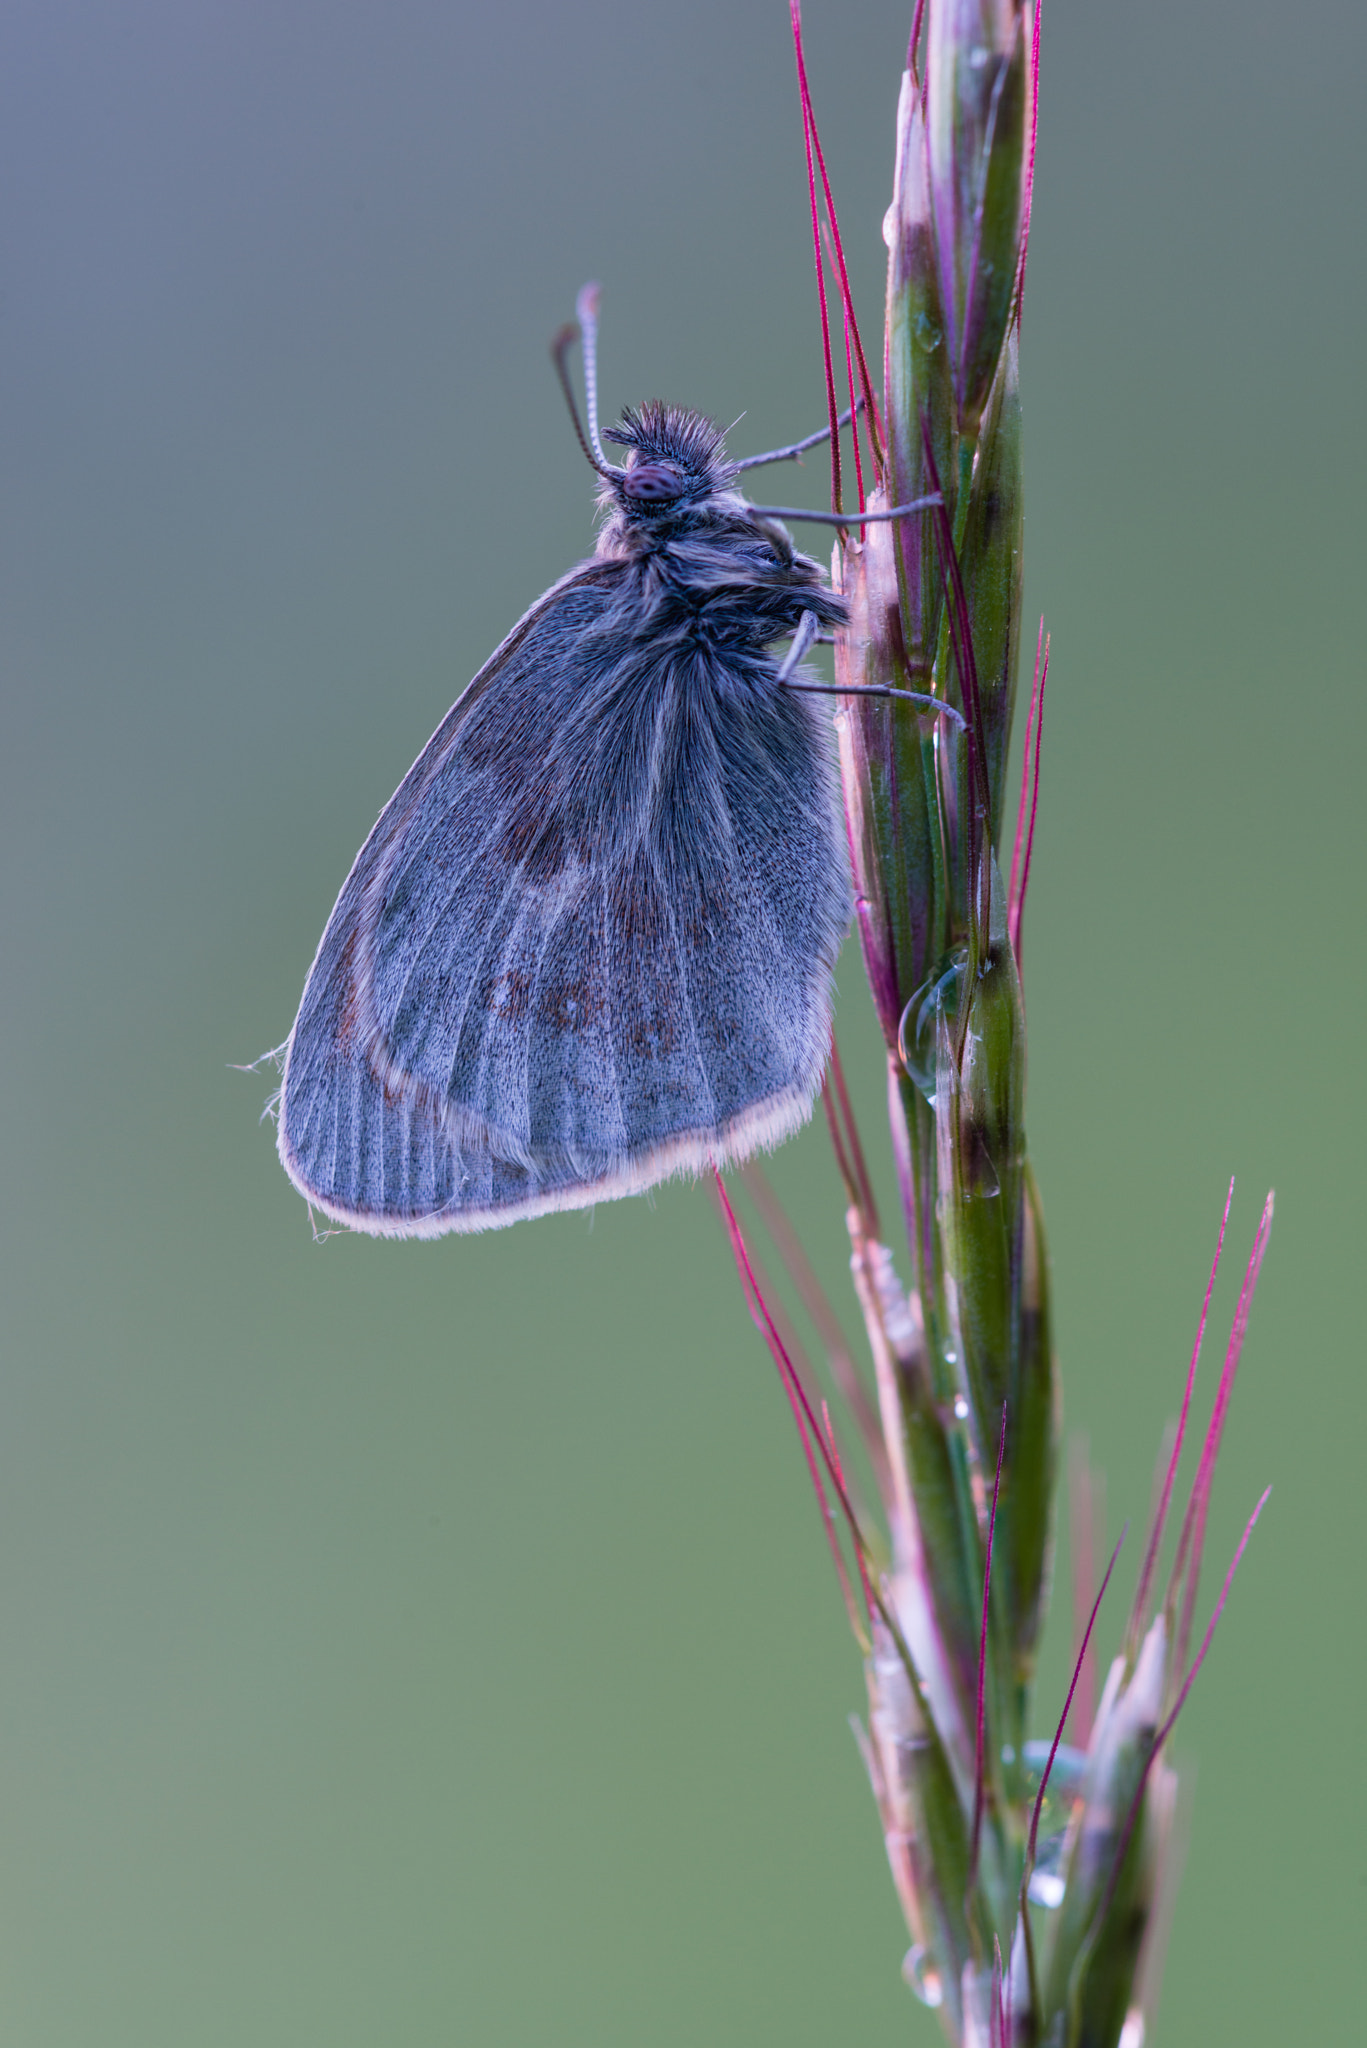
[[676, 461]]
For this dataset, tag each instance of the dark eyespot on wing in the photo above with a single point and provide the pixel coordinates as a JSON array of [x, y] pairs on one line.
[[532, 840]]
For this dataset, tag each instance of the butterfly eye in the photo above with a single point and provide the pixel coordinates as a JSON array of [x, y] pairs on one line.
[[653, 483]]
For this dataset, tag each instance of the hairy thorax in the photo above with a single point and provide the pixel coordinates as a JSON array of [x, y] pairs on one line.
[[718, 575]]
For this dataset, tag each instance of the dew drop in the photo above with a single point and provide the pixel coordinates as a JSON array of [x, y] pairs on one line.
[[960, 1407], [923, 1977], [1047, 1888], [918, 1036]]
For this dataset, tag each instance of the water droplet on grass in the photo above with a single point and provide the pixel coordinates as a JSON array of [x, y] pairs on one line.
[[935, 998], [923, 1977]]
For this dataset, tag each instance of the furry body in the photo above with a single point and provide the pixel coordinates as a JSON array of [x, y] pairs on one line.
[[589, 942]]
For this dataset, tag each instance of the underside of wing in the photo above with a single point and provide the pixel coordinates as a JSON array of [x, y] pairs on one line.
[[589, 943]]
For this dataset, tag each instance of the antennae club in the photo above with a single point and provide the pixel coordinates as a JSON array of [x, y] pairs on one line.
[[586, 306], [586, 310]]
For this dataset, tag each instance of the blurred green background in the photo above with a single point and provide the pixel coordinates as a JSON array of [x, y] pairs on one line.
[[435, 1643]]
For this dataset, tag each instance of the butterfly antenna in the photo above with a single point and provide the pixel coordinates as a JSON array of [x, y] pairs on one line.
[[586, 310], [586, 306]]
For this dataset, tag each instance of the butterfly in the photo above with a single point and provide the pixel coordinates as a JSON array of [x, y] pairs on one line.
[[590, 942]]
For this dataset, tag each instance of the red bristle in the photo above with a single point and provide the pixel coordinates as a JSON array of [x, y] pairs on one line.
[[1165, 1729], [795, 14], [1029, 194], [840, 1475], [874, 417], [1023, 803], [1192, 1538], [1199, 1659], [813, 1296], [1063, 1722], [760, 1316], [854, 424], [914, 39], [1086, 1522], [797, 1400], [875, 423], [1141, 1597], [849, 372], [1017, 901]]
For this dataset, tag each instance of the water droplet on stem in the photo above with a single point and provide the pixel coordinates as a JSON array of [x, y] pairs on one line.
[[923, 1977]]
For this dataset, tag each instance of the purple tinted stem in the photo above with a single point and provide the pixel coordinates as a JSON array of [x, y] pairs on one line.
[[856, 1149], [1023, 806], [834, 1449], [852, 1195], [914, 40], [1029, 194], [979, 1774]]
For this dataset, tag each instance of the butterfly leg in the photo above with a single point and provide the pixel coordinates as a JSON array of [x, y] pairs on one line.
[[808, 631], [796, 449]]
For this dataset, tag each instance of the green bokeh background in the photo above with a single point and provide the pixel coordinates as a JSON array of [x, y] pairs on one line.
[[435, 1643]]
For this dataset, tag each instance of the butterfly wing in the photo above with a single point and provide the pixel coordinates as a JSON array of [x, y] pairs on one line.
[[371, 1146], [589, 942]]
